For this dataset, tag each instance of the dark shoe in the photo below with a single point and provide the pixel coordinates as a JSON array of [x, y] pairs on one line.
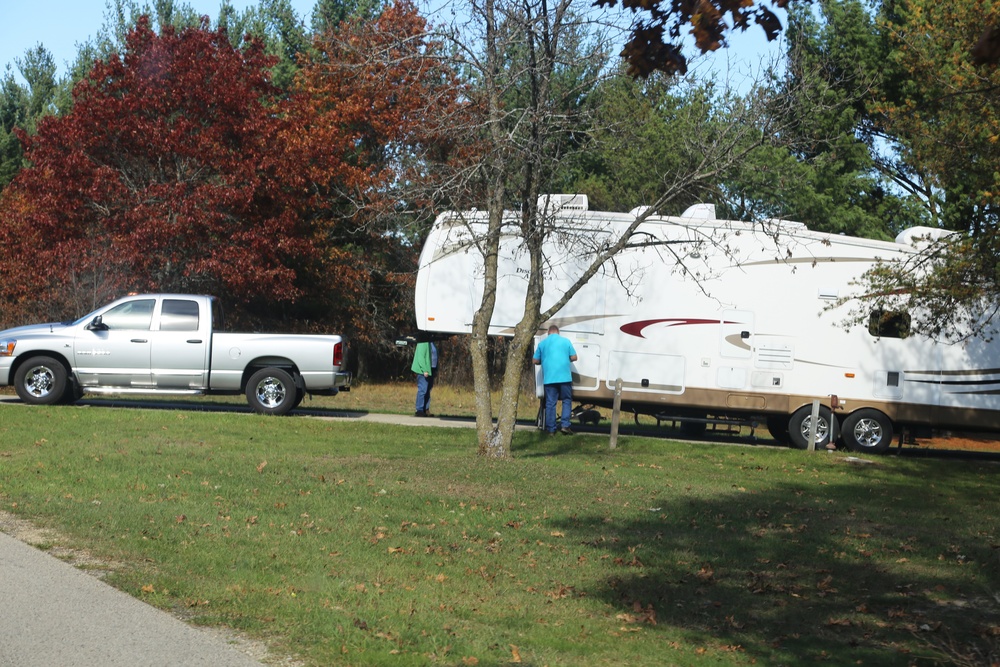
[[420, 413], [566, 431]]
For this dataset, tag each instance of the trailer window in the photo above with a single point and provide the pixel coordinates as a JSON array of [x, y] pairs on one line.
[[889, 324]]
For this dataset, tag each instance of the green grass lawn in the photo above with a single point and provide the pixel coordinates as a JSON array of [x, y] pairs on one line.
[[351, 543]]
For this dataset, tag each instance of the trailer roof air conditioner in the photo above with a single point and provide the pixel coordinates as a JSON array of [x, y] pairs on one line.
[[921, 235], [700, 212], [552, 204]]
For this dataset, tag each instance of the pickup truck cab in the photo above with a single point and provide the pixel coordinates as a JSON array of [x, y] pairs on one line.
[[168, 344]]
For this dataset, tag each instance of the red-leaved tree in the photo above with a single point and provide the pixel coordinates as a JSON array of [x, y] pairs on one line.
[[369, 114], [181, 167], [171, 173]]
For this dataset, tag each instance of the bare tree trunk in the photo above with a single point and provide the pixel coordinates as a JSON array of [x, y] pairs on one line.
[[480, 329]]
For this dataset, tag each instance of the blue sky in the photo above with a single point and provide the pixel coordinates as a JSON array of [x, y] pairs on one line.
[[59, 25]]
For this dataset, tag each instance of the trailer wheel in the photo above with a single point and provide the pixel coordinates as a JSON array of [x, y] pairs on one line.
[[867, 430], [40, 381], [777, 426], [271, 391], [801, 422], [693, 429]]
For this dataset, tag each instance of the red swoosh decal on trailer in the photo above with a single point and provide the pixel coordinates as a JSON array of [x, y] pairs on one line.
[[636, 328]]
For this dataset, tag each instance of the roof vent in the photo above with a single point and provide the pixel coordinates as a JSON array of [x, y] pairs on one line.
[[921, 235], [553, 204], [700, 212]]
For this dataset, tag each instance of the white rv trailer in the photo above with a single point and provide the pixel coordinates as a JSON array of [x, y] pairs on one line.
[[718, 319]]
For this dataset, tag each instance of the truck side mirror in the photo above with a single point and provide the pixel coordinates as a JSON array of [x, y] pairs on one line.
[[97, 324]]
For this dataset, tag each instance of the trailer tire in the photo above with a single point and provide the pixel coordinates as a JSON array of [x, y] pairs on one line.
[[271, 391], [800, 424], [40, 381], [867, 430], [693, 429], [777, 426]]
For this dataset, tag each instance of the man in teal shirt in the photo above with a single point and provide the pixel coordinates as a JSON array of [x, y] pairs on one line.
[[555, 354]]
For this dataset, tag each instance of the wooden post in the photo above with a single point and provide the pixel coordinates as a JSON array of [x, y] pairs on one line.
[[812, 426], [616, 413]]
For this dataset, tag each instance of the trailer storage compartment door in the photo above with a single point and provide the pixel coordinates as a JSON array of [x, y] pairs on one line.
[[640, 372]]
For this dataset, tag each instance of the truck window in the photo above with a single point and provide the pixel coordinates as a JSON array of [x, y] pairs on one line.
[[889, 324], [218, 316], [179, 315], [130, 315]]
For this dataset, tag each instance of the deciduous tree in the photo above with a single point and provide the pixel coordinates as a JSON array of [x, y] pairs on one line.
[[366, 120], [508, 46], [661, 26], [171, 173], [941, 109]]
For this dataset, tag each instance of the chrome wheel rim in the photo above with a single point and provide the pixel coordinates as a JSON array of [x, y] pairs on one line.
[[822, 429], [868, 433], [270, 392], [38, 381]]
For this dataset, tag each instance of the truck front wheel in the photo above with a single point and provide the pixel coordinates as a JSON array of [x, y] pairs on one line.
[[271, 391], [40, 381]]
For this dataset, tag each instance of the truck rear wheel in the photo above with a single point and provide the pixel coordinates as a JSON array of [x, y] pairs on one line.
[[801, 423], [271, 391], [40, 381], [867, 430]]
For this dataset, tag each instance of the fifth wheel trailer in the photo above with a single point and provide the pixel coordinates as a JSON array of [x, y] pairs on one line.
[[716, 319]]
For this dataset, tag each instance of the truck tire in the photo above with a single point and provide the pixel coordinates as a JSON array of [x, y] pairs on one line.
[[271, 391], [40, 381], [867, 430], [72, 394], [800, 424]]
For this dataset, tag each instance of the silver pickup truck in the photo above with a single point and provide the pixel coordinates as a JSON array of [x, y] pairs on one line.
[[166, 344]]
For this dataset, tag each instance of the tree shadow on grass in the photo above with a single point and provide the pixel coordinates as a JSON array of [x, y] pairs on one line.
[[867, 573]]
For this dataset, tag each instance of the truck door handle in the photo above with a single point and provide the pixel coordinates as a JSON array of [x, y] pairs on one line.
[[194, 341], [139, 340]]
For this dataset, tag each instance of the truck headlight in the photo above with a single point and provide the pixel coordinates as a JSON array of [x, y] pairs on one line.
[[7, 347]]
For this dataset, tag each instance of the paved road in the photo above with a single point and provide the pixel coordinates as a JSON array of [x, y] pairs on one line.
[[54, 615]]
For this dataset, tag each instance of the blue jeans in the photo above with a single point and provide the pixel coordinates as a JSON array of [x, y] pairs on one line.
[[558, 391], [424, 386]]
